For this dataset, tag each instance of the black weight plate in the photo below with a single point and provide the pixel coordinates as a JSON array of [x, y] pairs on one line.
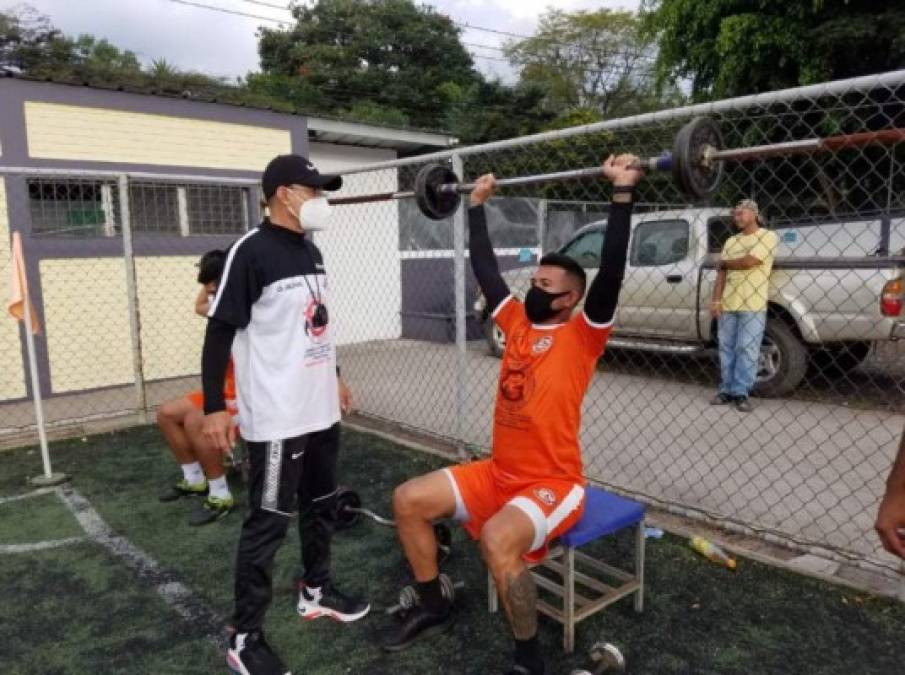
[[433, 204], [346, 498], [689, 173]]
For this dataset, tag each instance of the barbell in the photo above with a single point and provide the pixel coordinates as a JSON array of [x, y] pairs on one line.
[[695, 162]]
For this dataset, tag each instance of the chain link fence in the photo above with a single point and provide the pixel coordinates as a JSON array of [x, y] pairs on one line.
[[111, 265]]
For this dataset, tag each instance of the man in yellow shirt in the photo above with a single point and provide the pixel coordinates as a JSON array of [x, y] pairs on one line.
[[740, 303]]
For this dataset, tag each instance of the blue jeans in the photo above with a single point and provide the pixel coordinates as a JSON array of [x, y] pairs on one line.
[[740, 335]]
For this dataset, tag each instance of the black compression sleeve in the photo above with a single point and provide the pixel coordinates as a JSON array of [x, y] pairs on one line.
[[600, 305], [483, 259], [218, 343]]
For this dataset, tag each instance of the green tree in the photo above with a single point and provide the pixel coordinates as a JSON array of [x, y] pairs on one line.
[[599, 61], [489, 110], [95, 55], [347, 55], [736, 47], [26, 39]]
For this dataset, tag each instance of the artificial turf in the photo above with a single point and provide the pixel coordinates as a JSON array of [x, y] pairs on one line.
[[80, 610]]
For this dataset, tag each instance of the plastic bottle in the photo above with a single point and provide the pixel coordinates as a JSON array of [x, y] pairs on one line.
[[712, 552]]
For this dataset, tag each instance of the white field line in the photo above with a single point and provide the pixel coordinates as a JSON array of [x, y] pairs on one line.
[[171, 590], [28, 495], [40, 545]]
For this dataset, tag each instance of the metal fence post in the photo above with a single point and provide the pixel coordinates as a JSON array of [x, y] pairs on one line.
[[541, 227], [461, 317], [132, 295]]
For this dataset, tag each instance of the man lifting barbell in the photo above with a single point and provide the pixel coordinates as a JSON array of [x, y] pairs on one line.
[[532, 488]]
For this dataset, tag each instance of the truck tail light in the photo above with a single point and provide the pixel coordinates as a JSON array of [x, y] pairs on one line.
[[891, 299]]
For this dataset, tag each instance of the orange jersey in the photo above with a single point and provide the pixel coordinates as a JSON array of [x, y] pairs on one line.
[[544, 375]]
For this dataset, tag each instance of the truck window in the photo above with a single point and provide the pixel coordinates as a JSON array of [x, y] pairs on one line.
[[585, 249], [718, 231], [657, 243]]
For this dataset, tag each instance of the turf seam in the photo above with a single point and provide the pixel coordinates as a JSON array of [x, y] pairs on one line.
[[173, 592]]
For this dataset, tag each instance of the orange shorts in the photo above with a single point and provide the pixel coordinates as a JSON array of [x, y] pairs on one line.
[[481, 490], [197, 399]]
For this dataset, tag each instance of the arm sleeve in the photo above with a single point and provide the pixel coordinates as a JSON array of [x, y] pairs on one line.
[[600, 305], [218, 343], [240, 287], [483, 260]]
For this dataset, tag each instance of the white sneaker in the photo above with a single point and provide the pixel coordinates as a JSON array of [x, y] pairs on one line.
[[328, 601]]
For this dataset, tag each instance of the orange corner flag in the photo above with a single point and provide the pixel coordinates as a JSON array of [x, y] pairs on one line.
[[18, 287]]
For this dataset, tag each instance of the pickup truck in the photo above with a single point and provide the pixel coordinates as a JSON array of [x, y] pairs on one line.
[[834, 290]]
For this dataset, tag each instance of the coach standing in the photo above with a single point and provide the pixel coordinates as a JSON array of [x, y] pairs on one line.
[[272, 313]]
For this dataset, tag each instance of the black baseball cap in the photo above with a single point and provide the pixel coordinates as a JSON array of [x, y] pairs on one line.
[[296, 170]]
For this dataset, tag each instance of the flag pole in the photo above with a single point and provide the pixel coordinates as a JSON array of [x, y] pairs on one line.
[[49, 477]]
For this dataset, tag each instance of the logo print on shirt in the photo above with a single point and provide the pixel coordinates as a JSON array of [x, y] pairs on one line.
[[546, 495], [542, 344], [310, 329], [516, 384]]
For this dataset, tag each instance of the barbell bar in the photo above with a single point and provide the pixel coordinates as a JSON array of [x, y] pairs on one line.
[[696, 162]]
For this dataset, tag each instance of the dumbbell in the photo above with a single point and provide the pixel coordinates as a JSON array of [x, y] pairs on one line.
[[408, 596], [606, 658]]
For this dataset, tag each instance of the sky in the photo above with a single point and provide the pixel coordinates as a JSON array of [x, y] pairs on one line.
[[194, 38]]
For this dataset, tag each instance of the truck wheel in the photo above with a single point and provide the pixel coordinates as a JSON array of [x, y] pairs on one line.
[[496, 339], [783, 361], [840, 358]]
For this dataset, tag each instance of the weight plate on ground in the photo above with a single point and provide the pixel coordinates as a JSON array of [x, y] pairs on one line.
[[346, 499], [433, 204], [691, 175]]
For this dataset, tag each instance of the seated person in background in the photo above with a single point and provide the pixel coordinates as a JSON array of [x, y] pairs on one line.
[[531, 489], [180, 421]]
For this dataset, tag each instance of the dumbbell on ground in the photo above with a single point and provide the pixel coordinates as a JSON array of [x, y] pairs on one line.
[[606, 658], [408, 596]]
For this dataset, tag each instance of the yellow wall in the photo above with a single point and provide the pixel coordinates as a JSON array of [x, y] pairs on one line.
[[12, 372], [88, 334], [171, 332], [58, 131], [87, 320]]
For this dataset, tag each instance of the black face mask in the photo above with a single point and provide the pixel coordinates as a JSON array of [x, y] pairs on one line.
[[539, 304]]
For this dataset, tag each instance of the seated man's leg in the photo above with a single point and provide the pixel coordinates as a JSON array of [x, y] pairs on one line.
[[416, 504], [521, 531], [220, 501], [505, 540], [171, 419]]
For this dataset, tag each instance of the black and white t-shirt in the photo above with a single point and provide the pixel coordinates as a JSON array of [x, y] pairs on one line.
[[285, 364]]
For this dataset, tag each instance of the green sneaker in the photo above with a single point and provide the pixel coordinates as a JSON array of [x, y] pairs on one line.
[[183, 489], [211, 509]]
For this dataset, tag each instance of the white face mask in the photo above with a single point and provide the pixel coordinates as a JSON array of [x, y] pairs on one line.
[[314, 214]]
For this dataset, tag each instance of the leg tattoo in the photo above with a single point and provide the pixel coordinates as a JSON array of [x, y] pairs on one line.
[[521, 604]]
